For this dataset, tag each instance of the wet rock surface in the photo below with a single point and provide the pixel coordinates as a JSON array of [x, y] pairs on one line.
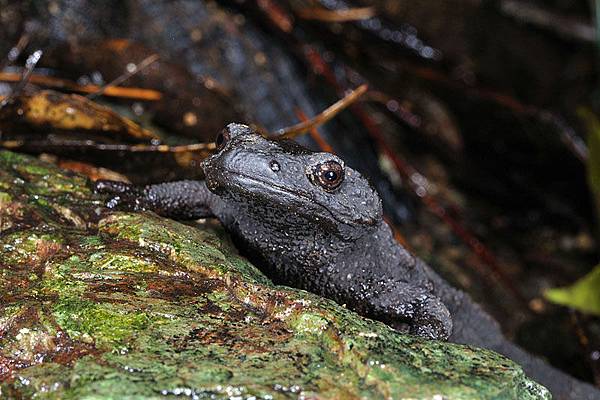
[[95, 303]]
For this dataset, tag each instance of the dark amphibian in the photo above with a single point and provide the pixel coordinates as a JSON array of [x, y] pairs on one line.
[[311, 221]]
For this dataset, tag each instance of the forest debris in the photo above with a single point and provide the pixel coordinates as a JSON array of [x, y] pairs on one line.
[[190, 105], [69, 112]]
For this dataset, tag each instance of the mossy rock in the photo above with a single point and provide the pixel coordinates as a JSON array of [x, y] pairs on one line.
[[98, 304]]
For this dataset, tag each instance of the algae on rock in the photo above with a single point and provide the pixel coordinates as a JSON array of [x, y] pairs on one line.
[[102, 304]]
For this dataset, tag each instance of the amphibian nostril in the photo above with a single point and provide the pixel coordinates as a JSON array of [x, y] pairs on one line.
[[274, 165]]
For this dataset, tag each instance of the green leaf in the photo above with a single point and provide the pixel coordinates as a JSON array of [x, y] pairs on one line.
[[583, 295]]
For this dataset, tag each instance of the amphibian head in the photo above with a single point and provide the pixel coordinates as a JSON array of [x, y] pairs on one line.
[[277, 176]]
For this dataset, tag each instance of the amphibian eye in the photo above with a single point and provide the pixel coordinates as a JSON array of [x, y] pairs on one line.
[[222, 139], [328, 175]]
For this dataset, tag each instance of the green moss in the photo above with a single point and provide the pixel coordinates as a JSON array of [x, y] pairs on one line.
[[108, 324], [182, 243], [307, 323], [8, 159], [92, 242], [59, 279], [5, 198], [34, 169], [121, 262]]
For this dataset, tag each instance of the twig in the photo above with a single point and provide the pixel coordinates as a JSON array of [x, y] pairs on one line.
[[30, 64], [327, 114], [533, 14], [15, 51], [57, 83], [341, 15], [314, 133], [276, 14], [90, 144], [406, 116], [145, 63]]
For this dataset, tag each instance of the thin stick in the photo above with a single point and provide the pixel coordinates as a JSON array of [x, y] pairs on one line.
[[569, 27], [276, 14], [15, 51], [345, 15], [327, 114], [145, 63], [409, 118], [57, 83], [314, 133], [80, 144], [30, 64]]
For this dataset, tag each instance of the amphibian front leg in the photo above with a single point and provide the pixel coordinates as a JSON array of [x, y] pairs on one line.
[[401, 303], [178, 200]]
